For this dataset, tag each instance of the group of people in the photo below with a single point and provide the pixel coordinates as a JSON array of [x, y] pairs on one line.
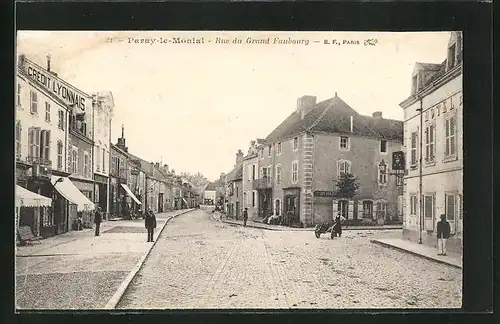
[[149, 222], [274, 219]]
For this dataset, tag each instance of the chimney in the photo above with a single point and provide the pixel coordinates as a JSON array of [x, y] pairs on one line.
[[377, 114], [239, 157], [157, 165], [305, 104], [121, 141], [352, 124], [48, 62], [165, 167]]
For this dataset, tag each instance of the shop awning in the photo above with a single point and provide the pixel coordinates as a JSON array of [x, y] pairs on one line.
[[185, 200], [26, 198], [68, 190], [129, 192]]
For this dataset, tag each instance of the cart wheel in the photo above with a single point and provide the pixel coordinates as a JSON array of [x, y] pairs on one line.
[[317, 234]]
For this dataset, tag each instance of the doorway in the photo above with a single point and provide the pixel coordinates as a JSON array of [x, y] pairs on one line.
[[160, 202], [343, 208], [291, 206]]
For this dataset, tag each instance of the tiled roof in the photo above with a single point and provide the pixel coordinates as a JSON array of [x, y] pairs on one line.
[[210, 187], [236, 173], [333, 116]]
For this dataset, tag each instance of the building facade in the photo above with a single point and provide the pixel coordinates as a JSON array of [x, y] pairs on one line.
[[250, 178], [433, 134], [46, 108], [234, 189], [102, 116], [302, 160]]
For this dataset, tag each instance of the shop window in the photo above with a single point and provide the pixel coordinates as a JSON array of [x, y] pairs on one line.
[[367, 209], [48, 218]]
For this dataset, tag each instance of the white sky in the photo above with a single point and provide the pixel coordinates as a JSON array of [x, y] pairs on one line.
[[195, 105]]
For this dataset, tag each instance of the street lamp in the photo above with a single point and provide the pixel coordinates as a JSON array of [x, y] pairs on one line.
[[420, 110]]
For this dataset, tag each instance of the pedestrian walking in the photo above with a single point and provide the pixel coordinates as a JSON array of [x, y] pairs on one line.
[[443, 233], [79, 222], [245, 217], [97, 221], [150, 223], [337, 228]]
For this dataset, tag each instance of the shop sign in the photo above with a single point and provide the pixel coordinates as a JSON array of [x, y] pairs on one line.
[[100, 179], [64, 91], [319, 193]]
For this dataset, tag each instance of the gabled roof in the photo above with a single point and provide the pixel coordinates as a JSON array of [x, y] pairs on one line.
[[334, 116], [210, 187]]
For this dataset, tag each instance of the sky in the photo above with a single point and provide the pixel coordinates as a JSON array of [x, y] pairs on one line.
[[194, 105]]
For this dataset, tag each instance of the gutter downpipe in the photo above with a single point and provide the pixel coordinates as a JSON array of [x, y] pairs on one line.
[[420, 171]]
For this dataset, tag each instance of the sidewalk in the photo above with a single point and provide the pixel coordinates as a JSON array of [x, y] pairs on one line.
[[257, 224], [79, 270], [424, 251]]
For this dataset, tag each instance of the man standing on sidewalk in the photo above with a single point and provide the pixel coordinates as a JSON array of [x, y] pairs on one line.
[[443, 233], [97, 221], [150, 223], [245, 217]]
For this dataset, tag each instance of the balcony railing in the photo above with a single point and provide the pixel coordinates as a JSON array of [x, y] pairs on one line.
[[262, 183], [39, 161]]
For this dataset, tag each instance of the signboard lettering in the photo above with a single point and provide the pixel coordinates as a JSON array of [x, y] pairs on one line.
[[323, 193], [66, 93]]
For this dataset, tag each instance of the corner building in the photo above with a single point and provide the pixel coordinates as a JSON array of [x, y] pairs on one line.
[[433, 137], [304, 156]]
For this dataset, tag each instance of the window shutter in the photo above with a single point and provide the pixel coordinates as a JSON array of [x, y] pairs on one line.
[[360, 209], [350, 209], [375, 209], [47, 145], [37, 142]]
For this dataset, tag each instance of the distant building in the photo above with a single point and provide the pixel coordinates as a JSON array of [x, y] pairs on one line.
[[250, 179], [209, 194], [433, 137], [234, 188], [303, 158]]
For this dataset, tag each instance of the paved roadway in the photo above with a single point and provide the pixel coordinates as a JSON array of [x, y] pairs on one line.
[[200, 263]]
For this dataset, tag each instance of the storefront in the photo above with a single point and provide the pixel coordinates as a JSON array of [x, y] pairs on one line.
[[101, 192], [131, 202], [27, 204], [76, 201]]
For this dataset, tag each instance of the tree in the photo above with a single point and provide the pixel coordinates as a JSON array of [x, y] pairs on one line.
[[198, 180], [346, 186]]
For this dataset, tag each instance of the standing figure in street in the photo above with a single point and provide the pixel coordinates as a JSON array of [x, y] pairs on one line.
[[97, 221], [337, 228], [79, 222], [150, 223], [443, 233], [245, 217]]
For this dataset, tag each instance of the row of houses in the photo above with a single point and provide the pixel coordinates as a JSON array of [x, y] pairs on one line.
[[64, 158], [408, 171]]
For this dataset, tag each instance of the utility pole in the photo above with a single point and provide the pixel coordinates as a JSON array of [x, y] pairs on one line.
[[420, 173]]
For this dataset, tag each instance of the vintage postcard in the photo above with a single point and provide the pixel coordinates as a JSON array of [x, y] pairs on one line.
[[238, 170]]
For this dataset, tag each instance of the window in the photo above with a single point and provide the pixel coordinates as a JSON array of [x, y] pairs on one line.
[[47, 112], [98, 164], [45, 145], [344, 143], [450, 129], [18, 140], [413, 205], [295, 171], [413, 148], [295, 143], [34, 102], [278, 174], [279, 149], [367, 209], [381, 210], [19, 94], [253, 198], [59, 155], [48, 218], [34, 143], [382, 173], [429, 206], [103, 160], [450, 207], [269, 150], [74, 160], [60, 121], [253, 171], [383, 146], [86, 164], [343, 167], [429, 143], [451, 56]]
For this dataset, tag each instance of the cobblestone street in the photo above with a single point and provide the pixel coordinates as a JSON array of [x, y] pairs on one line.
[[201, 263]]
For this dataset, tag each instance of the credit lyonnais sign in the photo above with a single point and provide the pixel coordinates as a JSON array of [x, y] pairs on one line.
[[319, 193], [53, 84]]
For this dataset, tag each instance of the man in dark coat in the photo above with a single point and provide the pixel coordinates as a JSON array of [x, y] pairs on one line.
[[97, 221], [245, 217], [150, 223], [337, 228], [443, 233]]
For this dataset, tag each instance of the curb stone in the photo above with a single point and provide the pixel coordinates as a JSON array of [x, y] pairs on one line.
[[415, 253], [126, 282]]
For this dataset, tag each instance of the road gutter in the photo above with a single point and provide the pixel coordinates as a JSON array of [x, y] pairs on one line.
[[126, 282]]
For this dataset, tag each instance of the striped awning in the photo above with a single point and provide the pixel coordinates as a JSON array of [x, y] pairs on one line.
[[69, 191], [130, 193]]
